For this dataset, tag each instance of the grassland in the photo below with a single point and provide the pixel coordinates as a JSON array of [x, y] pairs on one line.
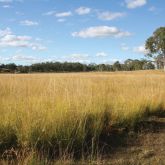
[[74, 114]]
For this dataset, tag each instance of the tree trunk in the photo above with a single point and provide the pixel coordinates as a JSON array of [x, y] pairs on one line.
[[164, 59]]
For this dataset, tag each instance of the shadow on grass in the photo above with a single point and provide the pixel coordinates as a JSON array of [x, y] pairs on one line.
[[151, 124], [8, 141], [99, 135]]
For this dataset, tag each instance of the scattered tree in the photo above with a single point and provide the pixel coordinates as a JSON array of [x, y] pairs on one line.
[[156, 46]]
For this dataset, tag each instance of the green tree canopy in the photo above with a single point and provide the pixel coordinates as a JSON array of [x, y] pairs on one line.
[[156, 45]]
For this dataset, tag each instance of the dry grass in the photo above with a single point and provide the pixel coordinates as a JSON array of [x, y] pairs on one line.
[[66, 113]]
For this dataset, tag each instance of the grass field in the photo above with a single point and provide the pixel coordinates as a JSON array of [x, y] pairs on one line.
[[72, 114]]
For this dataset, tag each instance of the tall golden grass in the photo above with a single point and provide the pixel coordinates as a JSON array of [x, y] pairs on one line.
[[66, 113]]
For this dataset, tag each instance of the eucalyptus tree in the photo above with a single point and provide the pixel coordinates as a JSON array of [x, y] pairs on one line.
[[155, 45]]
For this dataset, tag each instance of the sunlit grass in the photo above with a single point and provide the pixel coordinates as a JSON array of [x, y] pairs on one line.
[[66, 113]]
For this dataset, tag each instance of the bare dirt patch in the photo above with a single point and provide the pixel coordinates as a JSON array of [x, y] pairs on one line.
[[148, 147]]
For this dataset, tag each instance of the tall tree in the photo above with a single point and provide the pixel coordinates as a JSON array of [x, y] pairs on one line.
[[156, 45], [117, 66]]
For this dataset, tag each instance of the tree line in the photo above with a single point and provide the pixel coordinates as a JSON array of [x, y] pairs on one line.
[[155, 45], [128, 65]]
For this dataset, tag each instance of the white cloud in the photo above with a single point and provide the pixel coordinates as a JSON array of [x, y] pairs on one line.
[[8, 39], [140, 49], [101, 54], [110, 15], [58, 15], [131, 4], [11, 40], [61, 20], [77, 57], [29, 23], [83, 10], [23, 58], [124, 47], [19, 13], [10, 1], [101, 31], [5, 32], [6, 6], [36, 46], [6, 1], [152, 8], [63, 14], [49, 13], [3, 59]]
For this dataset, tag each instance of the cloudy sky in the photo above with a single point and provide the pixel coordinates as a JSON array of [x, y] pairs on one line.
[[88, 31]]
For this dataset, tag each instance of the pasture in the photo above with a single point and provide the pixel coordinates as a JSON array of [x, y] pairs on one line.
[[72, 114]]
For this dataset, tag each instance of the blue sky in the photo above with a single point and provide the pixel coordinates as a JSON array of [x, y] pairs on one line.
[[87, 31]]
